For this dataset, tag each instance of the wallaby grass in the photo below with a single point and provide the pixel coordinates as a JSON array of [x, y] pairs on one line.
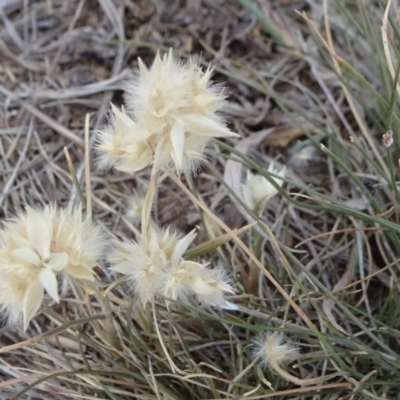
[[323, 257]]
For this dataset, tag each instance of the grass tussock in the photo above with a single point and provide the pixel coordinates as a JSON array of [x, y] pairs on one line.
[[291, 228]]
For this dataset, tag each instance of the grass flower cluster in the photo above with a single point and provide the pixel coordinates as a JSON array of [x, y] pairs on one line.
[[155, 266], [273, 349], [36, 247], [171, 113]]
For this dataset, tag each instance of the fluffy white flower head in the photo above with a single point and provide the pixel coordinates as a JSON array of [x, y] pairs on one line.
[[155, 266], [273, 349], [172, 113], [143, 262], [186, 280], [81, 239], [36, 247], [124, 144], [257, 190]]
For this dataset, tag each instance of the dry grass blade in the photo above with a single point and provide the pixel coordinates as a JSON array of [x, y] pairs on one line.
[[385, 43], [53, 124], [88, 181]]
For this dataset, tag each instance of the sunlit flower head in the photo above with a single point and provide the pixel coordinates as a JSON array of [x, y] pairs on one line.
[[189, 281], [172, 114], [81, 239], [257, 190], [274, 350], [21, 291], [155, 267], [37, 246], [144, 261], [213, 286], [124, 144]]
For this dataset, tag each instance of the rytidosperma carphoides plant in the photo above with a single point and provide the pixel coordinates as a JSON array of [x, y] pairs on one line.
[[171, 114]]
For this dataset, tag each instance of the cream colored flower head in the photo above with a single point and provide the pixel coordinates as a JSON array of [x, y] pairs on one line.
[[274, 350], [257, 190], [156, 267], [37, 246], [82, 240], [189, 280], [143, 262], [124, 144], [172, 113]]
